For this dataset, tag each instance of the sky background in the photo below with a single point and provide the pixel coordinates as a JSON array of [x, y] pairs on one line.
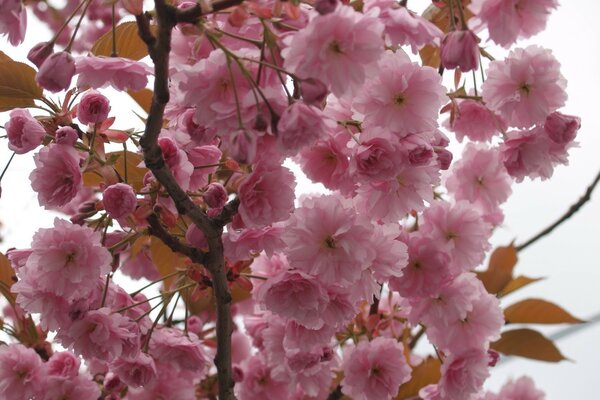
[[568, 258]]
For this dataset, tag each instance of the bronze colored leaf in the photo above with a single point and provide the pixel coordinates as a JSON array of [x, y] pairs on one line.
[[500, 269], [143, 98], [165, 260], [17, 84], [529, 344], [127, 167], [537, 311], [517, 283], [129, 44], [424, 374], [7, 273]]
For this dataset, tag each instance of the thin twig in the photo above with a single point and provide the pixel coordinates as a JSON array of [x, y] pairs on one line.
[[572, 210]]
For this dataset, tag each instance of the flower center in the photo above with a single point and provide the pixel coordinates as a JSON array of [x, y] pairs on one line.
[[329, 242], [399, 99], [335, 47]]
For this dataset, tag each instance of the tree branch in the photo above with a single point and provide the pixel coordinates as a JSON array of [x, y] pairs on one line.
[[572, 210], [156, 229], [159, 48]]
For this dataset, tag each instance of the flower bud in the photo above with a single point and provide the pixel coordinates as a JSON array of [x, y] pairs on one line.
[[66, 135], [134, 7], [56, 72], [119, 200], [313, 91], [444, 158], [325, 6], [460, 49], [561, 128], [216, 195], [24, 132], [40, 52], [93, 108]]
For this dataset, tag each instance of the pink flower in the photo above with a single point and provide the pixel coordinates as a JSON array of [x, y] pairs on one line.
[[521, 389], [463, 374], [177, 160], [480, 178], [376, 158], [507, 20], [475, 121], [40, 52], [402, 97], [525, 87], [460, 228], [139, 371], [374, 370], [56, 72], [240, 245], [93, 108], [172, 346], [561, 128], [57, 177], [295, 295], [120, 73], [119, 200], [339, 49], [215, 195], [460, 49], [204, 160], [266, 195], [300, 126], [79, 387], [25, 133], [258, 383], [325, 238], [171, 383], [66, 135], [391, 254], [13, 21], [102, 334], [313, 91], [20, 372], [64, 364]]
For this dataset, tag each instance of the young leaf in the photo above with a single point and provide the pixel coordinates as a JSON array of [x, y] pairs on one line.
[[165, 260], [426, 373], [500, 269], [129, 44], [143, 98], [529, 344], [135, 174], [17, 84], [537, 311], [517, 283]]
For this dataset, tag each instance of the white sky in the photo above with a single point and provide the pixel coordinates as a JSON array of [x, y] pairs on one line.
[[568, 258]]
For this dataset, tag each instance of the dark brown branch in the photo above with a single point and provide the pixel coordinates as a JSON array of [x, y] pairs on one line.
[[159, 47], [156, 229], [415, 339], [193, 14], [336, 394], [572, 210]]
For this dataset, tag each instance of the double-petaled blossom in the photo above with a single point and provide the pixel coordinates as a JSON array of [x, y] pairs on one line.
[[120, 73], [24, 132]]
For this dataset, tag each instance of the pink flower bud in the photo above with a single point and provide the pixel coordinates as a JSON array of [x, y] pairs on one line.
[[24, 132], [325, 6], [56, 72], [66, 135], [119, 200], [460, 49], [216, 195], [313, 91], [93, 108], [134, 7], [562, 128], [40, 52], [493, 357], [196, 237], [444, 158], [420, 155]]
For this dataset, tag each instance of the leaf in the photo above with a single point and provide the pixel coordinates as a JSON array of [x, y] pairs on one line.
[[537, 311], [7, 273], [424, 374], [207, 303], [517, 283], [165, 260], [143, 98], [430, 56], [529, 344], [17, 84], [135, 175], [500, 269], [129, 44]]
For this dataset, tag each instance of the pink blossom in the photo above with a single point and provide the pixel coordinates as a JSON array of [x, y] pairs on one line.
[[24, 132], [79, 387], [295, 295], [38, 53], [93, 108], [13, 21], [67, 259], [56, 72], [66, 135], [240, 245], [172, 346], [20, 372], [139, 265], [57, 177], [507, 20], [266, 195], [119, 200], [525, 87], [460, 227], [480, 178], [327, 239], [120, 73], [339, 49], [177, 160], [215, 195], [313, 91], [64, 364], [404, 27], [520, 389], [475, 121], [427, 270], [376, 158], [391, 254], [300, 126], [561, 128], [460, 48], [102, 334], [463, 374], [258, 383], [374, 370], [171, 383], [402, 97], [138, 371]]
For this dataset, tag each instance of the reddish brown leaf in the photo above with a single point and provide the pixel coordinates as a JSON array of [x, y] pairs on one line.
[[426, 373], [128, 43], [537, 311], [517, 283], [529, 344], [500, 269]]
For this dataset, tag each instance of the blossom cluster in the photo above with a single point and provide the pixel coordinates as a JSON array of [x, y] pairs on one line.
[[335, 286]]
